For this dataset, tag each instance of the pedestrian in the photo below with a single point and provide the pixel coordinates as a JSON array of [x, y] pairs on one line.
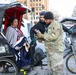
[[53, 38], [18, 42], [41, 27]]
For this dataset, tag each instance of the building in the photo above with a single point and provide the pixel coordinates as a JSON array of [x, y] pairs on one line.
[[37, 6], [22, 1]]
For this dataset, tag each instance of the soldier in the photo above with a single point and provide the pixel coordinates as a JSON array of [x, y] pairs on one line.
[[53, 38]]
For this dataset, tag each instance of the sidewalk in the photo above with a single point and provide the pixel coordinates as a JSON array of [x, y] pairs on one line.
[[65, 70], [40, 71]]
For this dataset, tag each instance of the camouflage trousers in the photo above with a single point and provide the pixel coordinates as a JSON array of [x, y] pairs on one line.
[[55, 63]]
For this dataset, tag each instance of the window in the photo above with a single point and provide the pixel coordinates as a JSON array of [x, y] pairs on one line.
[[37, 17], [30, 0], [37, 0], [39, 4], [36, 4], [34, 17], [25, 2], [36, 13], [40, 9], [36, 9]]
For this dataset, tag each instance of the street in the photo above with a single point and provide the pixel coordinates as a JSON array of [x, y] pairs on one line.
[[16, 19], [38, 71]]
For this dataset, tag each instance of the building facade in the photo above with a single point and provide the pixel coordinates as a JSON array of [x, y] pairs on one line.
[[37, 5], [22, 1]]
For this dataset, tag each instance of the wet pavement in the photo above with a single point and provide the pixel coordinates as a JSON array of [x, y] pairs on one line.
[[45, 71], [40, 70], [65, 70]]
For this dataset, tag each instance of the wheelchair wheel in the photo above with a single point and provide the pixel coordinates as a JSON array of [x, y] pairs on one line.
[[71, 64], [8, 67]]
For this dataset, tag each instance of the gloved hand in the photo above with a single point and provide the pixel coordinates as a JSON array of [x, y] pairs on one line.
[[33, 42], [40, 40], [39, 35], [70, 31], [33, 39]]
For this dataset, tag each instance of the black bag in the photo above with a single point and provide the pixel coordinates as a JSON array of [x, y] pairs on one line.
[[38, 56]]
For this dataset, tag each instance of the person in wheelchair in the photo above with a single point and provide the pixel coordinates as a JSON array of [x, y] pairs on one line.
[[18, 43]]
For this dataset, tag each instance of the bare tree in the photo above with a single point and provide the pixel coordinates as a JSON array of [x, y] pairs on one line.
[[56, 14], [74, 12]]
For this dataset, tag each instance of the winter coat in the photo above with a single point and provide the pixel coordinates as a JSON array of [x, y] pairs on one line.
[[39, 26]]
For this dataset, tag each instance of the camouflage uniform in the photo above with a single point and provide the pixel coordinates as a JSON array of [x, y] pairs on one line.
[[54, 47]]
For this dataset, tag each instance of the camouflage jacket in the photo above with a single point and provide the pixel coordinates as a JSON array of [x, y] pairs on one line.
[[54, 37]]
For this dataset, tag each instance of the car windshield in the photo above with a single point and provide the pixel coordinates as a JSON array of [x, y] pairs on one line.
[[69, 24]]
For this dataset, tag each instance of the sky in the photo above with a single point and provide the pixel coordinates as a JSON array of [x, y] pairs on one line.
[[63, 7], [6, 1]]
